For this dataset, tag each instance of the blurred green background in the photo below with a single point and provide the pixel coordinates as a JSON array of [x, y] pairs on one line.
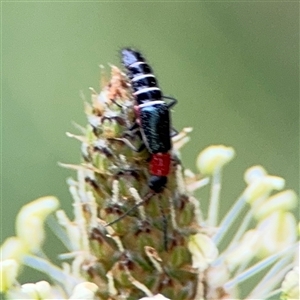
[[234, 68]]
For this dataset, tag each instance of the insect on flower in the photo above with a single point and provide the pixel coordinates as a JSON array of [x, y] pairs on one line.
[[152, 119], [152, 116]]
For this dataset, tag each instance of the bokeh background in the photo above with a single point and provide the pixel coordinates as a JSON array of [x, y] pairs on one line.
[[234, 67]]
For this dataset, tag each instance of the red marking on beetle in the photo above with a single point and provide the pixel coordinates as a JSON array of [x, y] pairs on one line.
[[160, 164]]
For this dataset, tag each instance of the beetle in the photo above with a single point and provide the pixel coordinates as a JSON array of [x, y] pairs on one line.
[[152, 116], [153, 121]]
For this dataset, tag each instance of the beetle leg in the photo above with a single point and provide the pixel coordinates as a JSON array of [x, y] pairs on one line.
[[173, 132], [133, 127], [118, 119], [148, 196], [131, 130], [118, 104], [130, 145], [172, 102]]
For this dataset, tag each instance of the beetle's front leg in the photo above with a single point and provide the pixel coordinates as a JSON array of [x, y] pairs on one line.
[[129, 144], [172, 103]]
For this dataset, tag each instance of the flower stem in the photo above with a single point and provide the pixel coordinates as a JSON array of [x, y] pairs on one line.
[[214, 202], [67, 281], [272, 278], [256, 268], [229, 220]]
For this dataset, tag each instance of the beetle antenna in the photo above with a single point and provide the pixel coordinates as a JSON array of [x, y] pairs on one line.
[[148, 196]]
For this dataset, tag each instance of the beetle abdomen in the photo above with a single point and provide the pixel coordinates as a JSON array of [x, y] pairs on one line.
[[143, 82]]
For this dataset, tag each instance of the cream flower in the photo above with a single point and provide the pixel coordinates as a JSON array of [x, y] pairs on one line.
[[213, 158]]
